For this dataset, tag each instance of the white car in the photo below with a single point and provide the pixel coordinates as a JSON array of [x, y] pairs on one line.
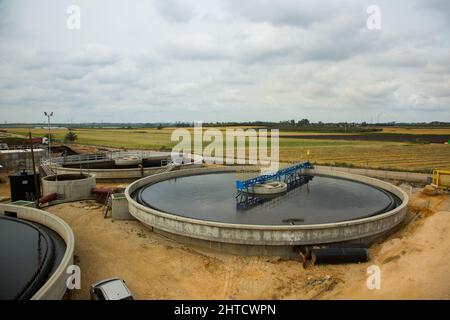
[[111, 289]]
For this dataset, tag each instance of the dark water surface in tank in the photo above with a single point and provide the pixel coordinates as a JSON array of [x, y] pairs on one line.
[[213, 197], [29, 254]]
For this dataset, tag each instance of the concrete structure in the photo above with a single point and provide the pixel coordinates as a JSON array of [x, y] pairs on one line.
[[59, 165], [374, 173], [264, 239], [69, 187], [55, 287], [24, 203], [120, 207], [383, 174], [19, 159]]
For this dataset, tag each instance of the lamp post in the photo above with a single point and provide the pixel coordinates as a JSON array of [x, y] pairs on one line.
[[48, 115]]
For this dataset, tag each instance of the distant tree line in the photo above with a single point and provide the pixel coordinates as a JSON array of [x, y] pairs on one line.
[[302, 124]]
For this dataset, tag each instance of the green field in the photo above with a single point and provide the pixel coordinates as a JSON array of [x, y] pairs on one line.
[[378, 154]]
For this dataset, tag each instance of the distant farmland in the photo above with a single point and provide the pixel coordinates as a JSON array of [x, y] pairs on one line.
[[389, 156], [393, 137], [324, 149]]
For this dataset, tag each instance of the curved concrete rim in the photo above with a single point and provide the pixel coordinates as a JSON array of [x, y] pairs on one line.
[[53, 176], [69, 189], [55, 286], [122, 173], [287, 234]]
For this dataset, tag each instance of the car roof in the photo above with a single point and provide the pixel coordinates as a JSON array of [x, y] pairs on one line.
[[114, 289], [99, 283]]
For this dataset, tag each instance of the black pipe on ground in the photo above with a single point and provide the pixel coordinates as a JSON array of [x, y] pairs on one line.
[[337, 255]]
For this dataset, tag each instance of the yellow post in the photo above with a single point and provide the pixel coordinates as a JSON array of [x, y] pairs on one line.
[[437, 178]]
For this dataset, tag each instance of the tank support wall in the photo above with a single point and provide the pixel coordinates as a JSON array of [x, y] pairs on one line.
[[71, 190], [17, 160]]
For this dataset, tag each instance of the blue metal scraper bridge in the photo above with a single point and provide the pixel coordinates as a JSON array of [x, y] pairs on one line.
[[285, 173]]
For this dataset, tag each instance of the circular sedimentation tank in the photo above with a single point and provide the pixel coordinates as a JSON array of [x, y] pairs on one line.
[[35, 250], [120, 165], [212, 197], [202, 206]]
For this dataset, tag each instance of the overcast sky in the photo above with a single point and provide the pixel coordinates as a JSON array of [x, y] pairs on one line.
[[224, 60]]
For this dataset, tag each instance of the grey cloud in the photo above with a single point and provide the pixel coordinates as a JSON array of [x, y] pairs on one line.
[[194, 47], [441, 6], [177, 11], [287, 13], [245, 61], [94, 54]]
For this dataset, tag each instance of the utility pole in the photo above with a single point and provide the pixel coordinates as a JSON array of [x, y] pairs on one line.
[[36, 182], [48, 115]]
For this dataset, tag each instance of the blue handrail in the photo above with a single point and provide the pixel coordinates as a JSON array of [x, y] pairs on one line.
[[246, 184]]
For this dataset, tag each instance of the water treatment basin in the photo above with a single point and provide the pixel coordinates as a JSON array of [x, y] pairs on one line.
[[212, 197], [200, 206], [35, 250]]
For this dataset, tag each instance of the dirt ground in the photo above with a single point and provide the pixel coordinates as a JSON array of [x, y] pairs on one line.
[[4, 187], [414, 262]]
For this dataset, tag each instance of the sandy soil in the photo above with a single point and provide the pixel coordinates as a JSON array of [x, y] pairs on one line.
[[4, 187], [414, 262], [414, 265]]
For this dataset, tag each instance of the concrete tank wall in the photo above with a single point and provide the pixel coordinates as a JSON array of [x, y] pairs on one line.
[[383, 174], [216, 234], [119, 207], [68, 187], [129, 174], [55, 287], [17, 160]]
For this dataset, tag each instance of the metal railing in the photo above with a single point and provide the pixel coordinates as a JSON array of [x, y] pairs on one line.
[[23, 147], [135, 153], [74, 159], [98, 157]]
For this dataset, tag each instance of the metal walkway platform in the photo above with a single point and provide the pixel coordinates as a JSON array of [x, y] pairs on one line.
[[287, 174]]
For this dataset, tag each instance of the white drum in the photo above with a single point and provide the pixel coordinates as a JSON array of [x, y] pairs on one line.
[[269, 188], [128, 161]]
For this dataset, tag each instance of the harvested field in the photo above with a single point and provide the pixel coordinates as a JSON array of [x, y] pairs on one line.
[[342, 150], [391, 137], [409, 130], [383, 156]]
